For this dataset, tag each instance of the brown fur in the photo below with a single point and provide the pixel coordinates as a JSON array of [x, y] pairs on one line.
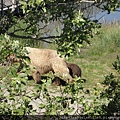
[[36, 76], [58, 81], [44, 61], [12, 58], [74, 70]]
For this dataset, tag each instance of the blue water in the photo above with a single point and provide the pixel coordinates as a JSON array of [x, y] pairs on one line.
[[107, 18]]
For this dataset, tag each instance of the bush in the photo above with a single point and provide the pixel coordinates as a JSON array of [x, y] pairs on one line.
[[106, 101], [112, 91], [14, 96], [17, 93]]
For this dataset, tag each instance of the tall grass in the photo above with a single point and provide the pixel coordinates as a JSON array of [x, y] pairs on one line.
[[96, 60], [108, 41]]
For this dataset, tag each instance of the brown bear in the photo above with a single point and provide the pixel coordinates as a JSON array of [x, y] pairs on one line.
[[74, 70], [58, 81], [44, 61]]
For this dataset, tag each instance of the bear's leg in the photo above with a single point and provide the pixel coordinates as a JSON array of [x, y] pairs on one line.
[[57, 81], [74, 70], [61, 71], [36, 76]]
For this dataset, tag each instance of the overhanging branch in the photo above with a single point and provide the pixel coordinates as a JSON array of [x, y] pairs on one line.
[[44, 39]]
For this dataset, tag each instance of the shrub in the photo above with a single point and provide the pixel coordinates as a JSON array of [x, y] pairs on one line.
[[16, 95]]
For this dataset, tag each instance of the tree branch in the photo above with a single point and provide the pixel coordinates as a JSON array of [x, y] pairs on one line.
[[35, 38]]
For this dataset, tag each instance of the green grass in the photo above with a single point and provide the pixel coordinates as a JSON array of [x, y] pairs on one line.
[[96, 59]]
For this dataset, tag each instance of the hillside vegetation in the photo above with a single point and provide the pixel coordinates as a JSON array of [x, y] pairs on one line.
[[95, 60]]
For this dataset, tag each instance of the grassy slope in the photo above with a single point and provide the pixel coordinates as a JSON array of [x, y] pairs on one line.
[[95, 60]]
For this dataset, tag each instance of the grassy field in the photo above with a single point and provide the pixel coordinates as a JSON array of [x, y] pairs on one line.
[[96, 59]]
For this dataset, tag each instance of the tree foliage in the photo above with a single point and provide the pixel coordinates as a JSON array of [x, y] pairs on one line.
[[15, 98], [35, 16], [16, 93]]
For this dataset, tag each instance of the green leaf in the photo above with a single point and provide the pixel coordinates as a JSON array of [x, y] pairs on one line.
[[22, 75]]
